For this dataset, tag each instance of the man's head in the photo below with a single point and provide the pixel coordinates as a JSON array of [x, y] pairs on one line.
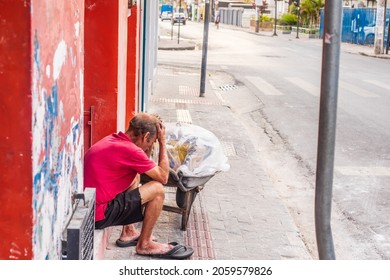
[[143, 130]]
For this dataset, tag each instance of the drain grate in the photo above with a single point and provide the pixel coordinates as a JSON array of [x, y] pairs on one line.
[[228, 87]]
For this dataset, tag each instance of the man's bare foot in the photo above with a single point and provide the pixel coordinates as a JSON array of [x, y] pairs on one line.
[[129, 233], [151, 248], [172, 250]]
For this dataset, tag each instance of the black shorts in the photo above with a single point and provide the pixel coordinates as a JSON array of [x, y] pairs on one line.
[[125, 209]]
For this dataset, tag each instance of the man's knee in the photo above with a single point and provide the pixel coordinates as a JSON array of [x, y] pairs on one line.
[[152, 190], [159, 189]]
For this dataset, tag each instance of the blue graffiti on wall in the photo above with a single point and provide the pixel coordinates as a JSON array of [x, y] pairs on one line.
[[358, 25]]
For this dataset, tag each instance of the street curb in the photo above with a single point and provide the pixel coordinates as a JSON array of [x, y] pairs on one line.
[[383, 56], [168, 44]]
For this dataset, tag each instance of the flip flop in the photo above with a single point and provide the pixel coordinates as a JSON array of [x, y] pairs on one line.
[[178, 252], [133, 242], [121, 243]]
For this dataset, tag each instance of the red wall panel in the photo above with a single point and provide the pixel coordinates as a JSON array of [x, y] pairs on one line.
[[15, 132], [132, 63], [101, 65]]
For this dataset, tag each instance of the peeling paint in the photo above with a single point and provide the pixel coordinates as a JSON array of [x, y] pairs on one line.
[[77, 29], [36, 54], [58, 168], [59, 59], [57, 144], [16, 252], [48, 71], [44, 45]]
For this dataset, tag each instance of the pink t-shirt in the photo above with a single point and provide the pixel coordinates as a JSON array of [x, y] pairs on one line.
[[110, 166]]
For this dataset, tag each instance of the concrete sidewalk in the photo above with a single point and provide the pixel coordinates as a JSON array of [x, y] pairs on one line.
[[170, 43], [238, 215], [182, 44]]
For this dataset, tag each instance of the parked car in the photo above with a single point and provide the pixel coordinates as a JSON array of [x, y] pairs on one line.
[[166, 16], [179, 17], [369, 33]]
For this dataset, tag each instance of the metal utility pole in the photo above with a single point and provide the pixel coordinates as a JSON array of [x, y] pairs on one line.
[[388, 39], [327, 128], [213, 10], [276, 15], [298, 12], [172, 22], [257, 4], [257, 28], [380, 26], [388, 31], [178, 29], [204, 48]]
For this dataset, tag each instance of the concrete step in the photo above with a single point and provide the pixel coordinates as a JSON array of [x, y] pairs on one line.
[[100, 242]]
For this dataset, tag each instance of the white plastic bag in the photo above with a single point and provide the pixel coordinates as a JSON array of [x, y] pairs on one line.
[[193, 151]]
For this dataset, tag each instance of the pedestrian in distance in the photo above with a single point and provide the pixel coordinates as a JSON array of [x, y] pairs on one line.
[[113, 166], [217, 19]]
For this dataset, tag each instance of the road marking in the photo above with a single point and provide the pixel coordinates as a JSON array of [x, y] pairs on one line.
[[216, 91], [364, 171], [263, 86], [378, 83], [289, 49], [213, 86], [179, 73], [306, 86], [219, 96], [357, 90]]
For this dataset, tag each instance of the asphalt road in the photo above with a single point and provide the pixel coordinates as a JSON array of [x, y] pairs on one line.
[[284, 74]]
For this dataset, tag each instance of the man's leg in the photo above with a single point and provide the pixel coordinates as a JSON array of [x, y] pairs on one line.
[[129, 232], [152, 196]]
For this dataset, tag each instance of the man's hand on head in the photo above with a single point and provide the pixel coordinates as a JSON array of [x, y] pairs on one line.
[[161, 132], [158, 117]]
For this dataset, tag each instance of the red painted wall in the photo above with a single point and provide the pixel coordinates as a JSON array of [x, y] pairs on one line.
[[41, 70], [15, 121], [102, 57], [101, 65], [132, 63], [31, 39]]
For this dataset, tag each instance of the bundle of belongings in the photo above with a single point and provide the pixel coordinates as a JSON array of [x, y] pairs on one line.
[[195, 154]]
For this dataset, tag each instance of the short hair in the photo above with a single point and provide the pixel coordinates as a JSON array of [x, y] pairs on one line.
[[142, 123]]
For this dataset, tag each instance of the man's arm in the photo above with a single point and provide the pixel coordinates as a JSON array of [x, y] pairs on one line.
[[160, 172]]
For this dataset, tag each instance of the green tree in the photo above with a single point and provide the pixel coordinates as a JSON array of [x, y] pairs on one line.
[[310, 11], [288, 19]]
